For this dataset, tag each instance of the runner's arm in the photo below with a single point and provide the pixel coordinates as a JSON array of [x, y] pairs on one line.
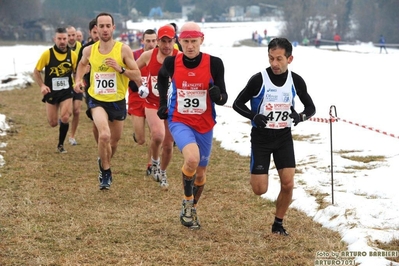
[[250, 90]]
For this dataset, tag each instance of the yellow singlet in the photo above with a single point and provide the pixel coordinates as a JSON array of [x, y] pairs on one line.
[[106, 84]]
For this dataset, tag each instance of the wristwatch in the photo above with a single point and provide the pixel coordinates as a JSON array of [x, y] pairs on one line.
[[122, 70]]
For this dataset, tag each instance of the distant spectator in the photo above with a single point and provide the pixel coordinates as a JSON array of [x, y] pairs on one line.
[[305, 41], [337, 39], [382, 44], [79, 37], [260, 39], [318, 39], [255, 36]]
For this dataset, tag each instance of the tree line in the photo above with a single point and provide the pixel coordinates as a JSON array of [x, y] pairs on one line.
[[363, 20]]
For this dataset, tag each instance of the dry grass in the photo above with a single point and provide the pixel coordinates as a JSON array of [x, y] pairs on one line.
[[52, 212]]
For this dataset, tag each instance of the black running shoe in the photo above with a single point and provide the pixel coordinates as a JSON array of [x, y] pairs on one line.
[[148, 171], [106, 180], [279, 229], [61, 149]]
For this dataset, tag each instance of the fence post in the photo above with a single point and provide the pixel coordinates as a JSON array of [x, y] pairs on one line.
[[332, 119]]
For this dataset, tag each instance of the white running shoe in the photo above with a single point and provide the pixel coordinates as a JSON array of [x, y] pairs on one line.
[[164, 181], [72, 141], [156, 171]]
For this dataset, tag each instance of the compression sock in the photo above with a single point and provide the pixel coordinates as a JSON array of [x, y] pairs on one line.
[[188, 184], [197, 190], [63, 132]]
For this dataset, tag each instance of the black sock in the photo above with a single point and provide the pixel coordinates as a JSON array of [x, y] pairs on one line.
[[63, 132], [278, 221]]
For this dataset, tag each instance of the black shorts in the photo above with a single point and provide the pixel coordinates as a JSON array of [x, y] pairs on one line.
[[115, 110], [55, 97], [265, 142], [77, 96]]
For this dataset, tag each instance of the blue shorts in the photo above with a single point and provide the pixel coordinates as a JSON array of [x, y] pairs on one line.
[[183, 135]]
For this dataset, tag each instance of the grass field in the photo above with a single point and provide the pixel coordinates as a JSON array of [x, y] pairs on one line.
[[52, 212]]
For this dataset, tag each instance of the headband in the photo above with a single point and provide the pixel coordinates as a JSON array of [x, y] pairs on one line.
[[190, 34]]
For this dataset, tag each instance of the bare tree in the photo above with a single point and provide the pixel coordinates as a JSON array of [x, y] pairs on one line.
[[15, 12]]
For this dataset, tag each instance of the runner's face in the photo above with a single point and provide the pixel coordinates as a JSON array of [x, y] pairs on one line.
[[61, 40], [166, 45], [71, 36], [278, 61], [94, 34], [105, 28], [150, 41], [79, 36], [191, 46]]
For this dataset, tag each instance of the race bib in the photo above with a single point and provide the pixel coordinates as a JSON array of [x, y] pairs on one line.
[[144, 81], [191, 101], [60, 83], [105, 83], [154, 85], [278, 115]]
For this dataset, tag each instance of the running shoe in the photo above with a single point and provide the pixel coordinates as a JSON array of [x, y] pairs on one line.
[[164, 181], [106, 180], [195, 224], [186, 217], [156, 171], [148, 171], [72, 141], [61, 149], [279, 229]]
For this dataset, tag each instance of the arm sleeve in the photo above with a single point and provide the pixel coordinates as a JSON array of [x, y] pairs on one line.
[[250, 90], [164, 73], [217, 71]]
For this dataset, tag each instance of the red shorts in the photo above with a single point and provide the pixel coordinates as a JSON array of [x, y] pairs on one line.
[[151, 105], [135, 104]]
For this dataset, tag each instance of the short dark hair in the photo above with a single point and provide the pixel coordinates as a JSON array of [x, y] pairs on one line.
[[174, 25], [149, 32], [105, 14], [281, 43], [60, 30], [92, 23]]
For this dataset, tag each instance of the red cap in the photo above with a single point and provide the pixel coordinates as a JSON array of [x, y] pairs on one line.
[[166, 31]]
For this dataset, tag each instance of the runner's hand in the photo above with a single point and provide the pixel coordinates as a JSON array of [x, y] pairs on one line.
[[297, 117], [79, 86], [143, 91], [214, 93], [260, 120], [162, 112]]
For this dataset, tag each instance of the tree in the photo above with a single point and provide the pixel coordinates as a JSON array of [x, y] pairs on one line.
[[15, 12]]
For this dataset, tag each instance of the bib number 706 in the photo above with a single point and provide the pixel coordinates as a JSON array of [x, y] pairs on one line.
[[105, 83]]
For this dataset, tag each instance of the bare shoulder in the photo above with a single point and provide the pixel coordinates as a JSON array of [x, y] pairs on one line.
[[87, 50], [126, 49]]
